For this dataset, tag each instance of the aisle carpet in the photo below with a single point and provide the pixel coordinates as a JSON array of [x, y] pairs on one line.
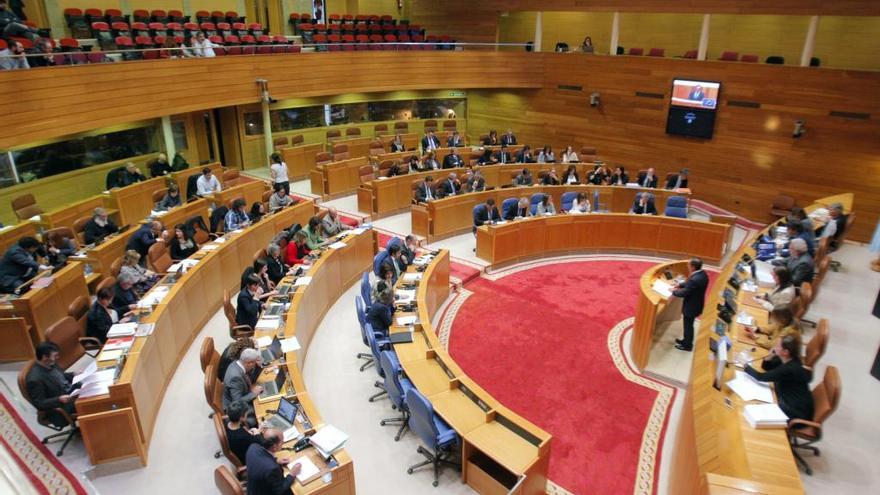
[[554, 359], [33, 460]]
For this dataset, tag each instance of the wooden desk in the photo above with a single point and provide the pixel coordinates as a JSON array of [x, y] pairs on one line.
[[358, 147], [41, 308], [337, 178], [411, 140], [183, 213], [11, 234], [501, 451], [180, 178], [653, 310], [716, 449], [252, 192], [300, 159], [135, 202], [66, 215], [600, 232], [120, 424]]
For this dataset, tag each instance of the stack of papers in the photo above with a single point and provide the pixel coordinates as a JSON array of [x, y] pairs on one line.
[[123, 343], [750, 389], [94, 383], [301, 281], [308, 468], [412, 277], [122, 330], [267, 323], [264, 341], [745, 319], [404, 296], [764, 274], [328, 439], [662, 288], [337, 245], [155, 296], [765, 416], [185, 264], [290, 344], [109, 355], [407, 320]]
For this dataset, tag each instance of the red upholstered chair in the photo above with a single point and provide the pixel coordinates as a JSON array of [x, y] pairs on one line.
[[749, 58], [248, 45], [264, 45], [176, 16], [657, 52], [256, 29], [218, 16], [114, 15], [692, 54], [636, 51], [203, 16], [232, 16], [141, 29], [174, 29], [140, 15], [390, 38], [158, 16], [218, 40], [729, 56], [281, 45], [375, 41]]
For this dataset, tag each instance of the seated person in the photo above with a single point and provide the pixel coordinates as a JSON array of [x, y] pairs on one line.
[[678, 181], [569, 156], [571, 176], [455, 140], [781, 323], [331, 224], [179, 163], [99, 227], [258, 209], [231, 355], [523, 208], [796, 231], [450, 186], [453, 160], [429, 162], [783, 293], [313, 234], [384, 282], [581, 204], [19, 264], [266, 471], [237, 383], [397, 145], [489, 214], [200, 46], [249, 305], [260, 268], [508, 139], [236, 217], [170, 200], [395, 169], [644, 205], [182, 245], [101, 315], [502, 155], [545, 155], [409, 250], [545, 207], [297, 250], [524, 178], [599, 175], [649, 179], [59, 248], [619, 177], [396, 261], [430, 142], [207, 183], [13, 57], [587, 45], [798, 215], [142, 278], [799, 262], [836, 224], [280, 199], [131, 175], [379, 316], [238, 435], [49, 387], [145, 236], [550, 178], [487, 158], [491, 139], [159, 166], [125, 299], [276, 269], [476, 183], [783, 368], [525, 155], [426, 192]]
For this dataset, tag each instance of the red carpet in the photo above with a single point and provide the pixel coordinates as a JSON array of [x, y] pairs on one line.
[[40, 466], [548, 359]]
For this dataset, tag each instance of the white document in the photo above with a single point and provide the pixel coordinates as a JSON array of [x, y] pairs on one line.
[[750, 389], [745, 319], [308, 468], [662, 288], [264, 341], [329, 438], [292, 434], [89, 371], [412, 277], [358, 231], [155, 296], [765, 416], [267, 324], [407, 320], [145, 329], [764, 274], [290, 344], [122, 330], [404, 296], [210, 247], [337, 245], [302, 281]]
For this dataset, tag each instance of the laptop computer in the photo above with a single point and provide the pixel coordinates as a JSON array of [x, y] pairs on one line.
[[274, 310], [284, 289], [272, 352], [274, 388], [286, 415]]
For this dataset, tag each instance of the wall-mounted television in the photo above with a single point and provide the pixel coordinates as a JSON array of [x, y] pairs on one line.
[[692, 108]]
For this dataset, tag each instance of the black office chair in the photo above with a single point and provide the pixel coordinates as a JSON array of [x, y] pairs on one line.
[[775, 59], [69, 429]]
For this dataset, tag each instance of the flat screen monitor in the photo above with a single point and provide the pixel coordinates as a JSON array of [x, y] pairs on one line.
[[695, 94], [692, 108]]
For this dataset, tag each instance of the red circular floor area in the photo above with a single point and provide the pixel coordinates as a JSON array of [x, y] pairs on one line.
[[538, 341]]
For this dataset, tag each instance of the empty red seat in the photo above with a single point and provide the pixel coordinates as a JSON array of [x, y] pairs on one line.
[[248, 45], [114, 15], [217, 16], [232, 47], [305, 17], [280, 44], [119, 28], [94, 15], [386, 19], [375, 39], [69, 44], [176, 16], [264, 44], [347, 18], [255, 29], [140, 29], [232, 16], [390, 38], [656, 52], [636, 51], [361, 28], [224, 28], [749, 58], [335, 19], [203, 16], [361, 18], [348, 28], [690, 54], [374, 19], [209, 28], [729, 56], [124, 42], [159, 15], [173, 28], [320, 28], [239, 28]]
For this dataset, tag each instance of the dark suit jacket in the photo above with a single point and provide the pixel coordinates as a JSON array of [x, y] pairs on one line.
[[422, 193], [379, 317], [452, 161], [237, 386], [564, 179], [648, 209], [277, 269], [449, 188], [407, 255], [454, 143], [521, 157], [503, 157], [670, 184], [524, 180], [94, 232], [98, 322], [265, 475], [484, 216], [396, 148], [16, 266], [618, 180], [549, 180], [158, 169], [141, 240], [801, 268], [508, 140], [693, 291], [477, 184], [644, 182], [248, 311], [45, 386], [426, 141]]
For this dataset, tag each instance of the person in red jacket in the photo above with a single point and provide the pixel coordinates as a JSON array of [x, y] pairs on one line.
[[297, 250]]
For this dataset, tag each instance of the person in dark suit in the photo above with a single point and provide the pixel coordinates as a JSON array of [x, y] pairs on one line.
[[160, 166], [125, 299], [799, 262], [489, 214], [425, 192], [248, 310], [796, 231], [454, 141], [783, 367], [477, 183], [693, 293], [397, 145], [649, 179], [450, 186], [131, 175], [19, 264], [275, 264], [524, 178], [430, 142], [409, 250], [644, 204], [429, 162], [696, 94], [238, 436], [487, 158], [144, 237], [678, 181], [238, 383], [453, 160], [379, 316], [508, 139], [264, 470], [49, 387], [502, 155], [550, 178], [619, 177], [491, 139], [525, 155], [99, 227], [102, 315]]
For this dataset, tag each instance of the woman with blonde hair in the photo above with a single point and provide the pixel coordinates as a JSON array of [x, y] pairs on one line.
[[142, 279]]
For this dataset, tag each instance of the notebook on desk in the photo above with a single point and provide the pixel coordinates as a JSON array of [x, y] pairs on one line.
[[400, 338], [273, 388], [272, 352]]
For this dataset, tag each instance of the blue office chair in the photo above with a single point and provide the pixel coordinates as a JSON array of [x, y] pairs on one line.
[[377, 345], [362, 320], [598, 207], [478, 210], [568, 200], [676, 206], [380, 258], [508, 208], [394, 241], [397, 388], [535, 199], [366, 289], [441, 440]]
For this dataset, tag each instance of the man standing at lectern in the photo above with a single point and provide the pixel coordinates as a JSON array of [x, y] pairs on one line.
[[693, 291]]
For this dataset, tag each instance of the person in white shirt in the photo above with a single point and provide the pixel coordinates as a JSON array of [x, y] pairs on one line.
[[201, 47], [207, 183], [580, 204], [834, 212], [278, 172], [545, 207], [569, 156]]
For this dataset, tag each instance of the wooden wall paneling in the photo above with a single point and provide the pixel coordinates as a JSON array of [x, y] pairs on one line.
[[16, 338], [572, 27], [761, 35], [121, 444], [11, 234], [848, 42]]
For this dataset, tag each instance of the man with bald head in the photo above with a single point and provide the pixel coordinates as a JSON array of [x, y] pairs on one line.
[[99, 227], [799, 262], [264, 470], [160, 166], [147, 235], [331, 223]]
